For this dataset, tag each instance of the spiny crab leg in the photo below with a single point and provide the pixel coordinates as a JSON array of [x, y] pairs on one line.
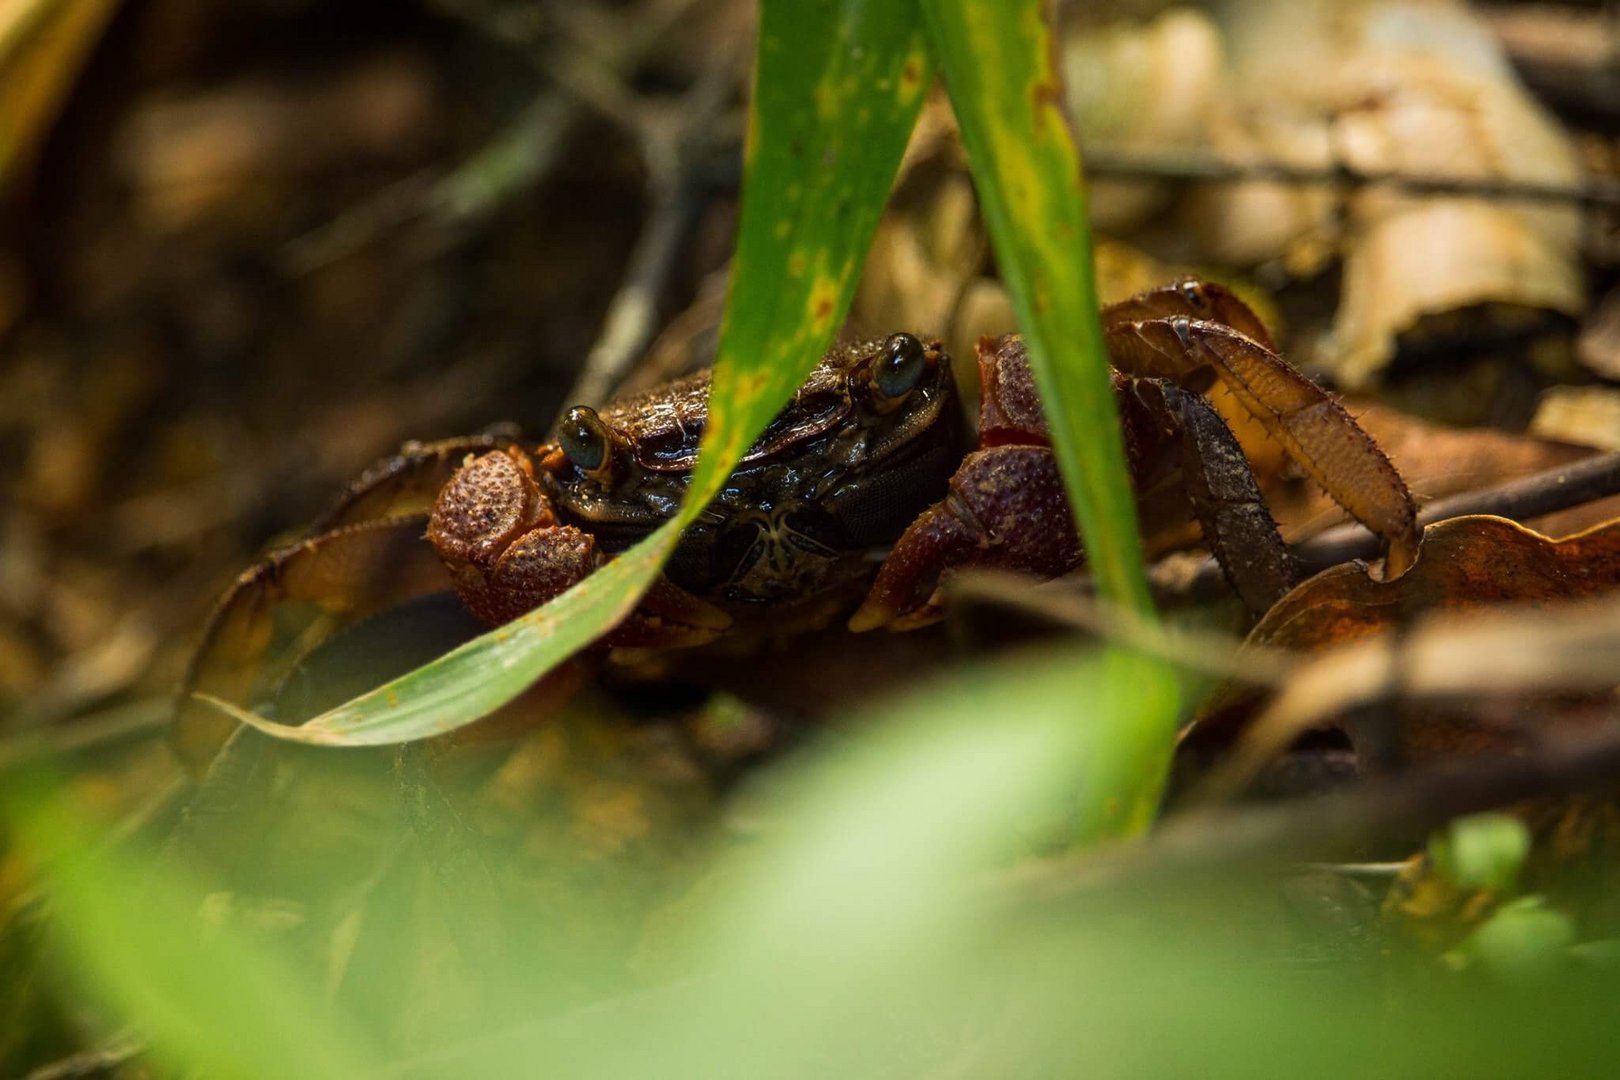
[[409, 481], [1314, 428], [1006, 510], [1194, 298], [995, 487], [1224, 494], [303, 592]]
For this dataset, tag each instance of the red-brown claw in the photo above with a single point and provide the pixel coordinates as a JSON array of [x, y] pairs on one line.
[[507, 555], [905, 591], [1005, 510], [1009, 405], [496, 534], [486, 506]]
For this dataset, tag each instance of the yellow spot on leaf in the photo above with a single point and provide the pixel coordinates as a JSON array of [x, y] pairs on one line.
[[823, 303], [911, 77]]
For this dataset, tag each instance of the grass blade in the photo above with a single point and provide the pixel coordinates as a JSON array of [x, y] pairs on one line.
[[999, 69], [998, 66], [837, 90]]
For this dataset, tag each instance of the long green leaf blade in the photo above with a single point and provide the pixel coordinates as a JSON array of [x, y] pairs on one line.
[[837, 91], [998, 67], [479, 677]]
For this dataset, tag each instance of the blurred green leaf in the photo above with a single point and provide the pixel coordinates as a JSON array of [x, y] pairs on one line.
[[1523, 941], [209, 1001], [998, 66], [838, 86], [1482, 851], [880, 925]]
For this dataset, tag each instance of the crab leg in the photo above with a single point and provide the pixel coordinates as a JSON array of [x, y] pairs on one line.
[[1231, 511], [1194, 298], [1312, 426], [304, 592], [409, 481], [1006, 510]]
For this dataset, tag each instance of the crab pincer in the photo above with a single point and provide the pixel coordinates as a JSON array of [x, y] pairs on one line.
[[507, 554]]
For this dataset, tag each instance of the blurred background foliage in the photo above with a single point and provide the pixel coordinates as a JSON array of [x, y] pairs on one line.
[[247, 248]]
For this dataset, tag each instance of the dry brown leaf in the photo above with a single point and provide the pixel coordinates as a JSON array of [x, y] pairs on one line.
[[1580, 414], [1149, 87], [1490, 608], [1598, 346], [1415, 89], [1467, 563]]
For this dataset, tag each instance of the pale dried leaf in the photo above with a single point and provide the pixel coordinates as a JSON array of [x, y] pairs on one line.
[[1580, 414], [1415, 89], [1145, 86]]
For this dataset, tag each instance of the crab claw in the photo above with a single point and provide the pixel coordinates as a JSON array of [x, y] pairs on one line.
[[1005, 509], [507, 554]]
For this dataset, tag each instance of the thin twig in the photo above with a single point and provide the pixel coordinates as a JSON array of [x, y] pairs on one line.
[[50, 741], [1205, 652], [1502, 652], [1131, 165], [513, 161], [1528, 497], [670, 145]]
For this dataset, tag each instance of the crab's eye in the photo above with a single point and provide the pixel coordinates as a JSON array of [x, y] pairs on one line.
[[900, 368], [1192, 290], [584, 438]]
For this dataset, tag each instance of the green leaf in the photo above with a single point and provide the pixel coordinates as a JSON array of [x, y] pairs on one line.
[[998, 65], [837, 90], [1524, 941], [999, 69], [1482, 851], [838, 86], [479, 677], [213, 1002]]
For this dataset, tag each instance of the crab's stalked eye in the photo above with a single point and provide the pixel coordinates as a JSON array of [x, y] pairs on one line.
[[900, 368], [1193, 291], [584, 438]]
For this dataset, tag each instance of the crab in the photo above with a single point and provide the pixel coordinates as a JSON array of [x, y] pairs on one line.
[[869, 455]]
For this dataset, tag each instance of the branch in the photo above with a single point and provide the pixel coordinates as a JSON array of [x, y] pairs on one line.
[[670, 147], [513, 161], [1130, 165], [1583, 481]]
